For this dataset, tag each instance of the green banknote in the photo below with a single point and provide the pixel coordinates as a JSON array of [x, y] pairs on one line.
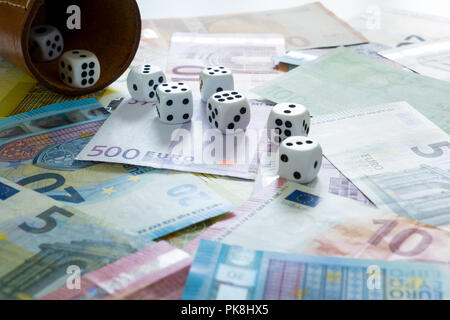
[[44, 244], [346, 80]]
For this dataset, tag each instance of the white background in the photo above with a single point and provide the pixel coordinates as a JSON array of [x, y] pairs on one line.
[[345, 9]]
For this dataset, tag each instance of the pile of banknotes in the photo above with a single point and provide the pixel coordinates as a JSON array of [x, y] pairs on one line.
[[97, 202]]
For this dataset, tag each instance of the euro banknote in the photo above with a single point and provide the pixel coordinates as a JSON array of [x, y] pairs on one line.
[[346, 80], [397, 28], [21, 93], [304, 56], [156, 272], [249, 56], [430, 58], [329, 179], [134, 135], [397, 157], [44, 243], [223, 272], [38, 150], [297, 219], [14, 85], [238, 191], [307, 26]]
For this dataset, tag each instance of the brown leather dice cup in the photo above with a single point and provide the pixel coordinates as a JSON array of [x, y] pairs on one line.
[[109, 28]]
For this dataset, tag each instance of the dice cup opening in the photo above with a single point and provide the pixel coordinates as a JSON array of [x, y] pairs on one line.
[[109, 28]]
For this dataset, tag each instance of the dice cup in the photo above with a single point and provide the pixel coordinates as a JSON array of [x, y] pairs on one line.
[[109, 28]]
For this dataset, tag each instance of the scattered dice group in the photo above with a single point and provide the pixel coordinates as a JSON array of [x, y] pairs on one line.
[[77, 68], [227, 110], [300, 157]]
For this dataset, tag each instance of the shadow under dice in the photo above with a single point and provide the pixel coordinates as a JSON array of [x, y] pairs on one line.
[[46, 43], [215, 79], [175, 103], [143, 81], [288, 119], [300, 159], [228, 110], [79, 68]]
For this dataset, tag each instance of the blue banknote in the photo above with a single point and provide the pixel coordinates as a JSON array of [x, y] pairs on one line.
[[38, 150], [228, 272]]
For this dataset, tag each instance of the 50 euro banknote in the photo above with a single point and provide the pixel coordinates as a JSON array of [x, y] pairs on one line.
[[38, 150]]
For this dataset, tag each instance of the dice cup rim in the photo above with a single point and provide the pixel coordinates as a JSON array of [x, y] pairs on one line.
[[103, 82]]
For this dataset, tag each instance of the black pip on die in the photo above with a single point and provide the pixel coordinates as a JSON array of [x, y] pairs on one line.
[[288, 119], [79, 68], [215, 79], [143, 80], [228, 110], [300, 159], [46, 43], [175, 103]]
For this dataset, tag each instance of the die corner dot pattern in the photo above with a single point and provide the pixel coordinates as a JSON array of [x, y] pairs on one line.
[[79, 68], [46, 43]]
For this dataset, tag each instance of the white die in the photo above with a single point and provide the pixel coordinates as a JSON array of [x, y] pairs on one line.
[[228, 110], [215, 79], [79, 68], [300, 159], [288, 119], [46, 43], [143, 80], [175, 103]]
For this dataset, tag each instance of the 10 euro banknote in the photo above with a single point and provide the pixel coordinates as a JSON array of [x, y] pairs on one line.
[[297, 219]]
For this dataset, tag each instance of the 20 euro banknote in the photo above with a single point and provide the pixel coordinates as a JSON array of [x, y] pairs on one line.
[[38, 150], [223, 272]]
